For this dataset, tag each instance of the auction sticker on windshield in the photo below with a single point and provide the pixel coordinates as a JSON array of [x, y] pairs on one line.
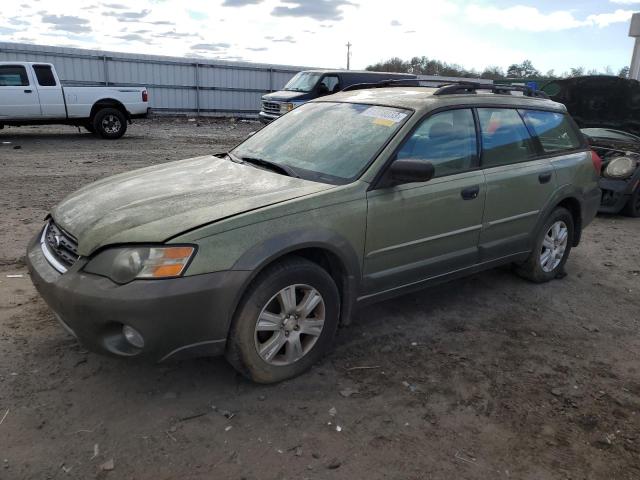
[[384, 116]]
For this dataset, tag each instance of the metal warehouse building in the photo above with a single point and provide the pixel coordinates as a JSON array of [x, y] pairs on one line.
[[176, 85]]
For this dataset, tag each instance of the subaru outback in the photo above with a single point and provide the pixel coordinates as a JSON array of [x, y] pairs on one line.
[[261, 252]]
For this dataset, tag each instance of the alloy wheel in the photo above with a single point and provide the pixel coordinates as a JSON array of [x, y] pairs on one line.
[[289, 325], [553, 246]]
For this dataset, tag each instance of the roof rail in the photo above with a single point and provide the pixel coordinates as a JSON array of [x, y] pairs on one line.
[[452, 87], [497, 88]]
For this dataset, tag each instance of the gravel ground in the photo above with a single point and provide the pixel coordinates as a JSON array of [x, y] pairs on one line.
[[489, 377]]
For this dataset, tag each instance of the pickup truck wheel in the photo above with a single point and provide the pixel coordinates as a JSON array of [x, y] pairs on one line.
[[110, 123], [285, 323], [551, 249], [632, 208]]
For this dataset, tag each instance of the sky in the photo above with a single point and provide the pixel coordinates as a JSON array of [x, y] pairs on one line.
[[553, 34]]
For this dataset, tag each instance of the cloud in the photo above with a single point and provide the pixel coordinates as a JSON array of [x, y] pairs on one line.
[[240, 3], [210, 47], [115, 6], [287, 39], [395, 23], [625, 2], [161, 22], [67, 23], [17, 21], [315, 9], [176, 35], [606, 19], [531, 19], [257, 49], [128, 16], [132, 37]]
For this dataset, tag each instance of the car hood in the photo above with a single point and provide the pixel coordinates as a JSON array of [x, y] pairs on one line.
[[285, 95], [156, 203]]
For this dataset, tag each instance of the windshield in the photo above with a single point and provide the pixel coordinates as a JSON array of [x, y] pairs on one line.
[[324, 141], [303, 82]]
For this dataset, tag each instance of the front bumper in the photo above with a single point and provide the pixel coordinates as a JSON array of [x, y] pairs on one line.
[[616, 192], [178, 318], [267, 117]]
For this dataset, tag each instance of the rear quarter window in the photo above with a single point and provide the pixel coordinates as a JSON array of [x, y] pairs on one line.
[[44, 74], [554, 130]]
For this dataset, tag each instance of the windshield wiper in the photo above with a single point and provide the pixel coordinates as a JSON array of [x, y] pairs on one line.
[[276, 167]]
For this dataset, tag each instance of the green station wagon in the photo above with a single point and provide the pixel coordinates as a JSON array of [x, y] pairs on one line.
[[260, 253]]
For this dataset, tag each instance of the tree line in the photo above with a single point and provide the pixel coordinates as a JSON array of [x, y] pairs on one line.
[[427, 66]]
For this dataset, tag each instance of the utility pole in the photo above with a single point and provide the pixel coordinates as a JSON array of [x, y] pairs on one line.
[[348, 55], [634, 32]]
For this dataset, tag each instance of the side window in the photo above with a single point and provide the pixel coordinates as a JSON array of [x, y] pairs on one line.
[[44, 74], [554, 130], [505, 139], [447, 139], [13, 76], [332, 83]]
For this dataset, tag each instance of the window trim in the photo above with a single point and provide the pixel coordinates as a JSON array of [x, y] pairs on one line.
[[375, 184], [26, 71]]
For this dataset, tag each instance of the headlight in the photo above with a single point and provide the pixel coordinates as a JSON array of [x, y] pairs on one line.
[[123, 265], [620, 167], [286, 107]]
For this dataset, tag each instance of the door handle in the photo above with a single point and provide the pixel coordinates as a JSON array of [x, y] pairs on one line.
[[28, 91], [470, 193], [544, 177]]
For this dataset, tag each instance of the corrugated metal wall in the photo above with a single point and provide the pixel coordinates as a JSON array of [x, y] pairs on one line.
[[176, 85]]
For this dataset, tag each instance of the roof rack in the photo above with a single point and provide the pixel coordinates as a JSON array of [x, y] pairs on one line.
[[452, 87], [497, 88]]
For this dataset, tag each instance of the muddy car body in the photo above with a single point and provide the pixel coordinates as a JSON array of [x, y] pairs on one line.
[[261, 252]]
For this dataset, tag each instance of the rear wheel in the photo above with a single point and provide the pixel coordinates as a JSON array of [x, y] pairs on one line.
[[551, 249], [632, 208], [110, 123], [285, 323]]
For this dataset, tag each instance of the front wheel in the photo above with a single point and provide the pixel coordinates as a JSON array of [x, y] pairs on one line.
[[551, 249], [110, 123], [285, 323]]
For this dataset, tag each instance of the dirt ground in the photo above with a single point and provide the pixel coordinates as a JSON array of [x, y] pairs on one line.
[[489, 377]]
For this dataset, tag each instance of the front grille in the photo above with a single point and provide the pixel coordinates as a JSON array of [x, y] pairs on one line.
[[271, 107], [60, 248]]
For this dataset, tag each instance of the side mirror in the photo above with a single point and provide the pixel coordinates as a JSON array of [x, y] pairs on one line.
[[408, 170], [323, 89]]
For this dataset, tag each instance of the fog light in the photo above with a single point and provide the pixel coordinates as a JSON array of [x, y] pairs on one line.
[[133, 336]]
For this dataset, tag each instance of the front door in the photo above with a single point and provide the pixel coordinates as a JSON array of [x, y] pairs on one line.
[[18, 96], [424, 230]]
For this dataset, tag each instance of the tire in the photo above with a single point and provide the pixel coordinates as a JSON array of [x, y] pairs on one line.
[[632, 207], [536, 268], [110, 123], [89, 128], [269, 355]]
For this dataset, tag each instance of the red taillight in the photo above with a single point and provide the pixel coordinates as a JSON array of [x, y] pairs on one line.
[[597, 161], [145, 96]]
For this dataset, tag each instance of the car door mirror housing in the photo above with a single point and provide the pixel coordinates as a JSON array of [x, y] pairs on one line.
[[323, 89], [408, 170]]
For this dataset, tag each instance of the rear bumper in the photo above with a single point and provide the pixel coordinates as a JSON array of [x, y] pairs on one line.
[[141, 115], [267, 117], [616, 192], [177, 318]]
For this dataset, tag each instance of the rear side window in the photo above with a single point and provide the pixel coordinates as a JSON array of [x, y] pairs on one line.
[[505, 139], [554, 130], [447, 140], [13, 76], [44, 74]]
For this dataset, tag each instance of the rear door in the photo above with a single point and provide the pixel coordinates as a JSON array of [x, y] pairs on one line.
[[49, 92], [519, 183], [18, 94], [419, 231]]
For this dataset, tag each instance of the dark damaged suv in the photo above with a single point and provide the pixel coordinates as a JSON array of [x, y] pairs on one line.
[[260, 253]]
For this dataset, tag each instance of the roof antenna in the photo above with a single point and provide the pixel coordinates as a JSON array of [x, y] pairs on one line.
[[349, 45]]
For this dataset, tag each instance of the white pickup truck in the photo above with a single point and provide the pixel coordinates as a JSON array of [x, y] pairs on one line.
[[31, 94]]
